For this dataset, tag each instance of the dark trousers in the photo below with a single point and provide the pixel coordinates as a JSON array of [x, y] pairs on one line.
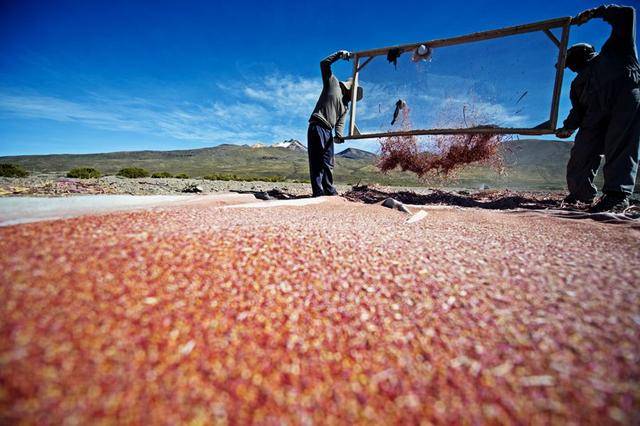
[[618, 138], [320, 147], [584, 163]]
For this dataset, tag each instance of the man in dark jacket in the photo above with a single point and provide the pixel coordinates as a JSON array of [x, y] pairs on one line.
[[605, 98], [328, 115]]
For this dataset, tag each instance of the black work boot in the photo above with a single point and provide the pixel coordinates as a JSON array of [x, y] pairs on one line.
[[573, 201], [615, 202]]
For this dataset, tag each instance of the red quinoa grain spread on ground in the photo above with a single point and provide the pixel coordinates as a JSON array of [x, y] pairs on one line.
[[206, 315], [451, 153]]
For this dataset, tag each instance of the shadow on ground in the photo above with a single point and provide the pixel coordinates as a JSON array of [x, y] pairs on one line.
[[273, 194], [494, 199], [546, 202]]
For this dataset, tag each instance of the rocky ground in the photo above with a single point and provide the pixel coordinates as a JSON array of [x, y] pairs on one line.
[[58, 185], [332, 313]]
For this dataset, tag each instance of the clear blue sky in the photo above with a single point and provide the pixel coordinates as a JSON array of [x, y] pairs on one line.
[[95, 76]]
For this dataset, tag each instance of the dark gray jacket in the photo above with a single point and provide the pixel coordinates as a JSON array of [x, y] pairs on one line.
[[331, 109], [579, 100]]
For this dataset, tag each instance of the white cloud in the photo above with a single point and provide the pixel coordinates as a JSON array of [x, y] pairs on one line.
[[267, 110], [286, 94], [59, 110]]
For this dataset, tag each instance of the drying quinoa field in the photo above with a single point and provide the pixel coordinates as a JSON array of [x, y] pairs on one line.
[[330, 313]]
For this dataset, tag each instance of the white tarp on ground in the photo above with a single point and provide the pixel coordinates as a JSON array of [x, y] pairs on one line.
[[278, 203], [15, 210]]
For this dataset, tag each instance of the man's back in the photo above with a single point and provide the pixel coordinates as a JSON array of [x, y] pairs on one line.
[[329, 107], [330, 110]]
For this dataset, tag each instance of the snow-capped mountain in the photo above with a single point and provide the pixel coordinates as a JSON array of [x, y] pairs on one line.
[[291, 144]]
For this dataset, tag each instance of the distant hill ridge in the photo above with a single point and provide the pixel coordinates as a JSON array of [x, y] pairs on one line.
[[357, 154]]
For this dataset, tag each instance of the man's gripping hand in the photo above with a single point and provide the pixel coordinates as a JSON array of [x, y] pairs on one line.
[[345, 54], [564, 133], [583, 17]]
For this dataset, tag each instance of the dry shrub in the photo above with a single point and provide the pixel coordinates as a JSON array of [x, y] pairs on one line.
[[84, 173], [12, 170], [451, 153], [133, 172]]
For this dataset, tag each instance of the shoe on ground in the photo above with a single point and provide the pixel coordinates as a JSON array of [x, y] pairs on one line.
[[261, 195], [572, 201], [611, 202]]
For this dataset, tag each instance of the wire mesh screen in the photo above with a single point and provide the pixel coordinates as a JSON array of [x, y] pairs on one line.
[[505, 82]]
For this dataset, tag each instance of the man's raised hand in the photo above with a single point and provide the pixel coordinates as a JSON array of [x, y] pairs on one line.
[[345, 54], [583, 17]]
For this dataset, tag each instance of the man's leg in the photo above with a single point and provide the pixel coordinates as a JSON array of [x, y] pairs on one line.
[[622, 144], [327, 167], [583, 164], [315, 148]]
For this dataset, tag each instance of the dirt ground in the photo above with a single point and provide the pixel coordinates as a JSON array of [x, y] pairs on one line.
[[59, 186], [332, 313]]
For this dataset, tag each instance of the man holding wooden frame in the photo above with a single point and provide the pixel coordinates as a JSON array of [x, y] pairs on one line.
[[328, 115], [605, 98]]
